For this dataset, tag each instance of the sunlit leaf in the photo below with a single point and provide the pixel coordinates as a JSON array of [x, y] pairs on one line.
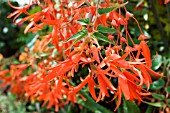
[[156, 104], [157, 62], [139, 3], [79, 38], [44, 54], [85, 21], [102, 37], [31, 42], [54, 53], [79, 35]]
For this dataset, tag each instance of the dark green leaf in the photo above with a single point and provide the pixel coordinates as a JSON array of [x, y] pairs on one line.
[[79, 35], [168, 102], [157, 84], [102, 37], [167, 89], [157, 62], [107, 10], [104, 29], [158, 96], [91, 104], [156, 104], [84, 21], [130, 107], [149, 109], [120, 108]]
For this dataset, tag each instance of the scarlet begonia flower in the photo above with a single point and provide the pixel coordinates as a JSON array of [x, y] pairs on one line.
[[19, 10], [15, 81], [68, 48]]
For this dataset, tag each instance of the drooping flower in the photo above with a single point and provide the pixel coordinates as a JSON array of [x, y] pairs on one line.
[[166, 1], [51, 77]]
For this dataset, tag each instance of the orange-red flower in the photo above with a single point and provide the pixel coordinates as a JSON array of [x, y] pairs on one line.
[[166, 1], [51, 76]]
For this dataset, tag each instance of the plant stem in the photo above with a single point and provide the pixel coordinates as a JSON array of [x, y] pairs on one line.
[[96, 13]]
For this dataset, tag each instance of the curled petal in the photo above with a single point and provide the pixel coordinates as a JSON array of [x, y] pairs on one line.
[[80, 86], [146, 53], [91, 85], [124, 87], [119, 94], [95, 53], [103, 88], [153, 72]]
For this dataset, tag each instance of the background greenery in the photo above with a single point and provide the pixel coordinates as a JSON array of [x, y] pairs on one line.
[[154, 18]]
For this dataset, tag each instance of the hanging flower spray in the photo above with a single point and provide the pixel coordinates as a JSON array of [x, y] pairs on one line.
[[83, 33]]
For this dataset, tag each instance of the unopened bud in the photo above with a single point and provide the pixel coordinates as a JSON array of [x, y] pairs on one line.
[[128, 15]]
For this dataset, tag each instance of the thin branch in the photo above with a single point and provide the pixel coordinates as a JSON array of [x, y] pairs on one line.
[[97, 7]]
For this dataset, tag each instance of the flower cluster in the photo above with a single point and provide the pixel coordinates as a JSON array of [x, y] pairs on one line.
[[84, 34]]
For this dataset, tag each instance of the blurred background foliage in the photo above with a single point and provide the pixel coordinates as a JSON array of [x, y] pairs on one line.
[[10, 35], [154, 18]]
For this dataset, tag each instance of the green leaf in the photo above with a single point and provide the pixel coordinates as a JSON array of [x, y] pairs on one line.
[[167, 89], [158, 96], [90, 104], [30, 43], [139, 3], [54, 53], [107, 10], [157, 62], [120, 108], [157, 84], [79, 35], [104, 29], [130, 107], [79, 38], [168, 102], [102, 37], [156, 104], [149, 109], [85, 21], [84, 4], [44, 54]]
